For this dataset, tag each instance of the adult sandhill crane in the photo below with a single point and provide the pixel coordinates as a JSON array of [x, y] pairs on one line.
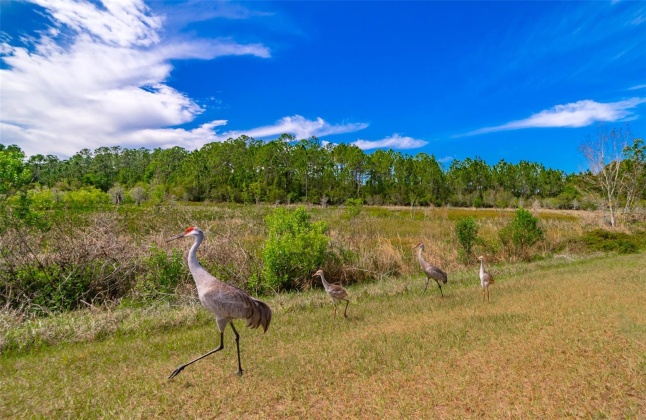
[[485, 279], [430, 270], [335, 291], [223, 300]]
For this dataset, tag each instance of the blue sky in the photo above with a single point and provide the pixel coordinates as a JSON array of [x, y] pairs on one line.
[[496, 80]]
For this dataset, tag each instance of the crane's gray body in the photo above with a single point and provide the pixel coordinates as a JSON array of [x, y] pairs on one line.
[[485, 279], [335, 291], [431, 271], [224, 301]]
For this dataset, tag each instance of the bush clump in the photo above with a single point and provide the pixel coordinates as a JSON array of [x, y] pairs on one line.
[[353, 207], [606, 241], [521, 234], [294, 249], [466, 228], [163, 274]]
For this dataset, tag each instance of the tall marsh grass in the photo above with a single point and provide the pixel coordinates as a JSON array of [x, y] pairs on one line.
[[92, 259]]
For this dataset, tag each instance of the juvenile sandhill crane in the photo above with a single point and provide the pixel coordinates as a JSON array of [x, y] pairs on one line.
[[223, 300], [335, 291], [430, 270], [485, 279]]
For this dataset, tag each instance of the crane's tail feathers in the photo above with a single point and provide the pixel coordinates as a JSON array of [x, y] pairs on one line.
[[260, 316]]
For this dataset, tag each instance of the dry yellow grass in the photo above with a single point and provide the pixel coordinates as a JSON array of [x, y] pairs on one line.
[[558, 342]]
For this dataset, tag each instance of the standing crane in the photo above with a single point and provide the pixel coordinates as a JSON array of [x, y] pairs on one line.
[[485, 279], [430, 270], [335, 291], [223, 300]]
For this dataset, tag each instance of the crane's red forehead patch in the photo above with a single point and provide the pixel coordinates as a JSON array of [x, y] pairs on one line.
[[190, 229]]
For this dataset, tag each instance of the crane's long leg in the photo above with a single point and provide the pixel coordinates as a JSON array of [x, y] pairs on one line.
[[239, 372], [440, 286], [345, 311], [425, 287], [220, 347]]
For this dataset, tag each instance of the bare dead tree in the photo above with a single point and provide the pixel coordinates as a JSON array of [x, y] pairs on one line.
[[604, 155]]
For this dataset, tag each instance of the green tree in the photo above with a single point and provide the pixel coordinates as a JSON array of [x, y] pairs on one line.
[[14, 172], [633, 169]]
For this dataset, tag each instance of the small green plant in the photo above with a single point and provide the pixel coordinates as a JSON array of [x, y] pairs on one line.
[[353, 208], [163, 273], [294, 249], [466, 229], [521, 234]]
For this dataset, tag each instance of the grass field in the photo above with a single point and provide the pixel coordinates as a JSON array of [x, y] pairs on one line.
[[561, 340]]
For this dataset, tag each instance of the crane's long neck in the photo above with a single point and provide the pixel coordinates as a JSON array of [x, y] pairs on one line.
[[201, 277], [420, 257], [325, 283], [482, 268]]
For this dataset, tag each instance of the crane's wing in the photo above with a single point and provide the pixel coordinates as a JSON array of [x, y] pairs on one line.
[[488, 278], [337, 292], [227, 301], [437, 274]]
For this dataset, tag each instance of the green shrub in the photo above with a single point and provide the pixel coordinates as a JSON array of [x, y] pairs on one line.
[[163, 273], [87, 198], [353, 208], [42, 198], [55, 288], [521, 234], [606, 241], [295, 247], [466, 229]]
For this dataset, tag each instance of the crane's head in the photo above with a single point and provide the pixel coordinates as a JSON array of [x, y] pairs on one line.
[[481, 258], [419, 245], [318, 273], [190, 231]]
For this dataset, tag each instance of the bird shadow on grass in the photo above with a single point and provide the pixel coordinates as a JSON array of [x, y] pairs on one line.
[[355, 318]]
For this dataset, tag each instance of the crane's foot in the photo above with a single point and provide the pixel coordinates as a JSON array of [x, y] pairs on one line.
[[239, 372], [176, 372]]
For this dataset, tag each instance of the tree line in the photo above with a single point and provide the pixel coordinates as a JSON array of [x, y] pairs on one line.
[[286, 170]]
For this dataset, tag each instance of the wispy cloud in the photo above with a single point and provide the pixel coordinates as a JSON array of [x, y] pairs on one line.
[[637, 87], [297, 125], [576, 114], [97, 77], [396, 141]]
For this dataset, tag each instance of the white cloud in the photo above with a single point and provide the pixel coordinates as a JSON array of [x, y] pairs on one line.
[[97, 77], [395, 141], [122, 23], [577, 114], [297, 125]]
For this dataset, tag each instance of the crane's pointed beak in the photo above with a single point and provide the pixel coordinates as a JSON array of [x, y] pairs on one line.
[[181, 235]]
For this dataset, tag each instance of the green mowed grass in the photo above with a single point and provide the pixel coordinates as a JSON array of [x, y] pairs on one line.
[[563, 341]]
